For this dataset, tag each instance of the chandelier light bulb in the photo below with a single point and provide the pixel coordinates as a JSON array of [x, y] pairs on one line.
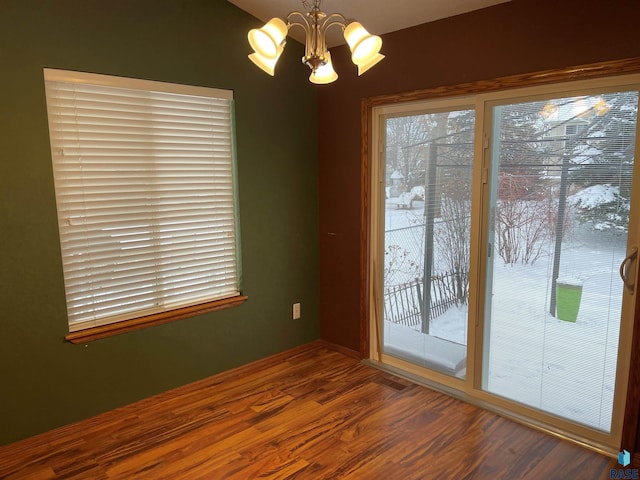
[[366, 49], [268, 65], [265, 41], [364, 46], [325, 73]]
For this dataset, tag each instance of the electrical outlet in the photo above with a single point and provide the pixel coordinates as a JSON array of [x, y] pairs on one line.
[[296, 311]]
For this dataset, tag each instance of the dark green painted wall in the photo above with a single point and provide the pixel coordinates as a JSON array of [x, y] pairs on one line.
[[46, 382]]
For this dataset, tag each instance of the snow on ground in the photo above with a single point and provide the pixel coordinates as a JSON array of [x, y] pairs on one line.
[[561, 367], [564, 368]]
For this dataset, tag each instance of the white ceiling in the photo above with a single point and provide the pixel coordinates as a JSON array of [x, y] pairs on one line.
[[377, 16]]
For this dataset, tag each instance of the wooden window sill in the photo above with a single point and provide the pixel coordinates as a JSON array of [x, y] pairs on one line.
[[103, 331]]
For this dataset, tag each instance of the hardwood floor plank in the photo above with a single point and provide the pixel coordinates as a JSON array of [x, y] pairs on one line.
[[32, 473], [313, 413]]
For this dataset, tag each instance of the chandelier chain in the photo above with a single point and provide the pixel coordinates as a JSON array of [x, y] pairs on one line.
[[310, 5]]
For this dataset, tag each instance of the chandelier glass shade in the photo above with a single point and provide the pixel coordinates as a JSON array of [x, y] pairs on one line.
[[268, 42]]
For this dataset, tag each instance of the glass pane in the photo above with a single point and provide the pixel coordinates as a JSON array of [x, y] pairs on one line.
[[560, 198], [426, 246]]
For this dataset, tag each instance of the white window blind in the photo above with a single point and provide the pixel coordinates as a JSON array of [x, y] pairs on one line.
[[144, 178]]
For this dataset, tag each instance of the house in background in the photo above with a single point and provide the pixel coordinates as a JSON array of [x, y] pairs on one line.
[[299, 174]]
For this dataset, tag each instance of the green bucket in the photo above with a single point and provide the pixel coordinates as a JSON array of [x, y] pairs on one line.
[[568, 298]]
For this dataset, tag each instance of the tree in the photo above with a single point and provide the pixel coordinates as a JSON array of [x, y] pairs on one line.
[[523, 153], [523, 226], [525, 209], [602, 158], [405, 135], [454, 147]]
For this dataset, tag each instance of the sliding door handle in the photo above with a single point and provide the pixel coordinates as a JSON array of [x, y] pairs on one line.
[[625, 269]]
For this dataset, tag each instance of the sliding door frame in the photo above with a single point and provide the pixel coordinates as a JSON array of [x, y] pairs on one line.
[[487, 104], [370, 340]]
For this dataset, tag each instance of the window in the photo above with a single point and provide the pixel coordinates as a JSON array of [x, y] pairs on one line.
[[500, 226], [426, 219], [145, 188], [576, 128]]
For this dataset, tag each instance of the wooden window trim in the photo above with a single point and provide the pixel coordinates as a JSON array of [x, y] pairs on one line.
[[104, 331]]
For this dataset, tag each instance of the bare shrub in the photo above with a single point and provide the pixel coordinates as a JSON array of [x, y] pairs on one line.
[[452, 237], [525, 219]]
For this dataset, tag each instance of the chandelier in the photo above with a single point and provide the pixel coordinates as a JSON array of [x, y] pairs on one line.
[[268, 42]]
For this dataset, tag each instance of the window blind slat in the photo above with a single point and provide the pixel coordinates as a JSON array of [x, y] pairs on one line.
[[143, 295], [142, 271], [145, 194], [98, 261]]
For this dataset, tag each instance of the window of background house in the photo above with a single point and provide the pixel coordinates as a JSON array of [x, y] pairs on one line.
[[145, 189]]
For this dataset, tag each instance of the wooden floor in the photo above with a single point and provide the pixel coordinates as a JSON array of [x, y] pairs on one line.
[[311, 413]]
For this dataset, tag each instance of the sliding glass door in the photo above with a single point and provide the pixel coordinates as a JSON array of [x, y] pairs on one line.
[[427, 199], [504, 249], [560, 197]]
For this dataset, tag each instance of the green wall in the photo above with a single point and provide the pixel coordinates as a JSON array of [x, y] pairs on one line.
[[46, 382]]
